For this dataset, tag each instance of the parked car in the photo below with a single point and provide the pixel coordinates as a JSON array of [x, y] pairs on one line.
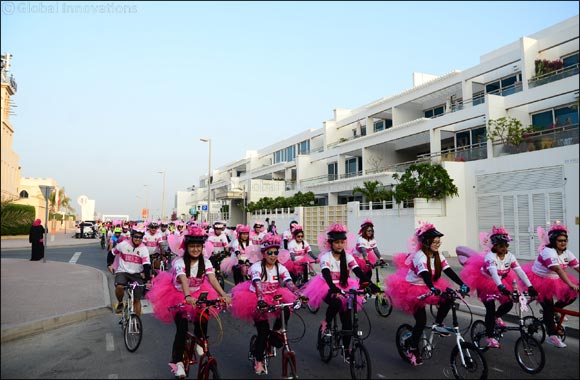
[[87, 228]]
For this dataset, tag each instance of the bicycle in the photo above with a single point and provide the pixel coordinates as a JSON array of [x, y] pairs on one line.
[[303, 278], [103, 241], [208, 365], [529, 352], [289, 369], [130, 321], [216, 260], [465, 360], [330, 341], [559, 319], [383, 302], [464, 330]]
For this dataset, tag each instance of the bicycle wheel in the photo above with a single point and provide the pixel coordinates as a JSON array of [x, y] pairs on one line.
[[383, 305], [296, 328], [364, 324], [465, 330], [208, 369], [529, 354], [360, 362], [133, 333], [535, 328], [475, 364], [325, 343], [289, 365], [478, 335], [404, 332]]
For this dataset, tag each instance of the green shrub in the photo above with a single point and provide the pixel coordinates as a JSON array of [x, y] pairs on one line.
[[16, 219]]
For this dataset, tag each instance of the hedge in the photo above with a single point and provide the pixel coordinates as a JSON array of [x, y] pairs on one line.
[[16, 219]]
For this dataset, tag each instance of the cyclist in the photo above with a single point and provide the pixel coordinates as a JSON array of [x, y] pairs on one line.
[[491, 275], [152, 241], [335, 268], [367, 251], [163, 230], [421, 272], [257, 234], [287, 234], [300, 252], [132, 264], [191, 275], [548, 274], [115, 239], [269, 278], [242, 249]]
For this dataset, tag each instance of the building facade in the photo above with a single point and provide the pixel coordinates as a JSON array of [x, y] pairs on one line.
[[443, 120], [10, 173]]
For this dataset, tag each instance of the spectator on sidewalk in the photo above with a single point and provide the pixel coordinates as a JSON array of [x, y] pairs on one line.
[[36, 237]]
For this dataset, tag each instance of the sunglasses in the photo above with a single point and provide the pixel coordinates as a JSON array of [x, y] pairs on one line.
[[562, 240], [370, 230], [270, 253], [138, 237], [299, 236]]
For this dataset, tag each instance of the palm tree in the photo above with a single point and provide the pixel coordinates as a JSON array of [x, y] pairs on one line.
[[372, 191], [64, 202]]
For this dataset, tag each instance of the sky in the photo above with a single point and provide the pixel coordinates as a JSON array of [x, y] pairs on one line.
[[112, 93]]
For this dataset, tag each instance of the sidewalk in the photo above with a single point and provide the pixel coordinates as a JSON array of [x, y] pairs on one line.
[[39, 296]]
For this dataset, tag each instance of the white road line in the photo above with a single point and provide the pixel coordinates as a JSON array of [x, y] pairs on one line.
[[75, 257], [110, 343], [497, 369]]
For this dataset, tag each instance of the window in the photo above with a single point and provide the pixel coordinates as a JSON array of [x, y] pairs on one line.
[[434, 112], [570, 60], [332, 171], [351, 167], [463, 139], [363, 130], [24, 194], [304, 147], [470, 137], [505, 86], [556, 117], [379, 125]]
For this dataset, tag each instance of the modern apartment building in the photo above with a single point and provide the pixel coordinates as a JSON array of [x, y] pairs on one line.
[[442, 120], [10, 173]]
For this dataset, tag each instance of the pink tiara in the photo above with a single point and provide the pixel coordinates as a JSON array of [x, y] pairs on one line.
[[195, 231], [558, 226], [423, 227], [337, 228], [297, 227], [271, 240], [499, 231]]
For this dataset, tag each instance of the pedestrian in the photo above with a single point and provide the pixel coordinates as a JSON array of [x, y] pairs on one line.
[[556, 288], [36, 237]]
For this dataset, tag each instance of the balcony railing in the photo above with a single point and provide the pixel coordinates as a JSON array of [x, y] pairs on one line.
[[464, 153], [555, 75], [546, 139]]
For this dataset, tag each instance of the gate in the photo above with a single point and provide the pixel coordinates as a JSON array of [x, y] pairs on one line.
[[316, 219]]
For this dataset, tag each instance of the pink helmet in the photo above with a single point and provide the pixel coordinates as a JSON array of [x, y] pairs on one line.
[[364, 225], [297, 228], [242, 228], [269, 241], [499, 235]]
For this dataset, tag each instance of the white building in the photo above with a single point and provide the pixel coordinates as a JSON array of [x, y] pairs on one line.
[[444, 120]]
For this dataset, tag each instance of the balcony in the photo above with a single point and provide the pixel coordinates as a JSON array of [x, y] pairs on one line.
[[555, 75], [464, 153], [547, 139]]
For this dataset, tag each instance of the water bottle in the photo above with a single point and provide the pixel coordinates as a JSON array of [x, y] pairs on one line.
[[515, 294]]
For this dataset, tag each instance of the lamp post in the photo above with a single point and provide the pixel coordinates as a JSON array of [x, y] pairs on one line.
[[163, 198], [147, 200], [208, 140]]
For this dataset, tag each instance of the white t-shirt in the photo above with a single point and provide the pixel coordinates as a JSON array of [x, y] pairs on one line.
[[327, 260], [419, 265], [368, 245], [219, 242], [132, 258], [299, 250], [194, 282], [235, 246], [493, 262], [272, 281], [152, 242], [548, 258]]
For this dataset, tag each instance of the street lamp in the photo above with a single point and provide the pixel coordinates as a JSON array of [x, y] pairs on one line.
[[163, 198], [208, 140], [147, 201]]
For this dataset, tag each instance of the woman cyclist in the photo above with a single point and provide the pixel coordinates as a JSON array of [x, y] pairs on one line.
[[367, 252]]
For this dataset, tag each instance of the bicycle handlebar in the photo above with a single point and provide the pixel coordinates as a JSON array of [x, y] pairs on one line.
[[449, 293], [199, 304], [133, 285], [297, 304]]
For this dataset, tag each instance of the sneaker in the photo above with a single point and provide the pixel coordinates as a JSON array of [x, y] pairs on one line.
[[493, 343], [413, 357], [119, 309], [347, 356], [324, 328], [499, 322], [440, 329], [198, 349], [555, 340], [259, 368], [179, 371]]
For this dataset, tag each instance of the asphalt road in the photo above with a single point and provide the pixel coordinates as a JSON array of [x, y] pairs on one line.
[[94, 348]]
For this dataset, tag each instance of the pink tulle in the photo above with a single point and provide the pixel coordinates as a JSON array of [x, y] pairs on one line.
[[485, 287], [245, 301], [228, 264], [548, 288], [372, 257], [316, 289], [163, 294], [207, 249], [254, 253], [404, 294], [289, 264], [399, 259], [175, 244], [465, 253], [284, 256], [542, 238]]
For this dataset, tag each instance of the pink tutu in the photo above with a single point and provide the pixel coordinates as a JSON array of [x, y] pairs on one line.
[[363, 264], [295, 267], [227, 264], [404, 294], [472, 276], [245, 301], [316, 289], [548, 288], [163, 294], [399, 261]]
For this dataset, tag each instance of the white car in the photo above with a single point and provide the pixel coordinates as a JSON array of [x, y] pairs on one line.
[[88, 230]]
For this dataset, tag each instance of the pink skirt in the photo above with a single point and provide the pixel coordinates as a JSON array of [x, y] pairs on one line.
[[295, 267], [316, 289], [245, 301], [163, 295], [228, 264], [485, 287], [363, 264], [550, 288], [404, 294]]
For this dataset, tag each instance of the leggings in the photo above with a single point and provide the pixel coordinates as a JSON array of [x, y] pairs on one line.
[[421, 320], [491, 314], [548, 307], [181, 324], [334, 306], [263, 328]]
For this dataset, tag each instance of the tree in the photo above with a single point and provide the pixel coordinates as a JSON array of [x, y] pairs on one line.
[[507, 130], [63, 201], [373, 191], [424, 180]]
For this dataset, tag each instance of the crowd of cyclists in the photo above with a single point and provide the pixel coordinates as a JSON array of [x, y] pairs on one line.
[[265, 264]]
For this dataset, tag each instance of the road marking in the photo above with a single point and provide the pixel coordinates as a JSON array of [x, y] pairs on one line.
[[497, 369], [75, 257], [110, 343], [146, 307], [113, 376]]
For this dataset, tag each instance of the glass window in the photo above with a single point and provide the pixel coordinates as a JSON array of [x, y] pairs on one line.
[[463, 139], [478, 98], [542, 120], [351, 166], [429, 114], [566, 116], [363, 130], [304, 147], [439, 110], [332, 171], [478, 136], [492, 88], [388, 123], [379, 125], [570, 60]]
